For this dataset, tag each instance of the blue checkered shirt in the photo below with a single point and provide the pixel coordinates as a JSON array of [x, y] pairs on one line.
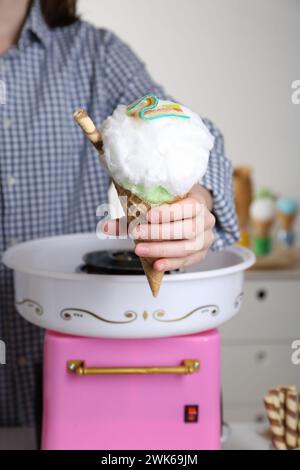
[[51, 180]]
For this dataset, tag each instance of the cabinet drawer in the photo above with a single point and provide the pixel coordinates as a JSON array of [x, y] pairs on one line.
[[248, 372], [271, 311]]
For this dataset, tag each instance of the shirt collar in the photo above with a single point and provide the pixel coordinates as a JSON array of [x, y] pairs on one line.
[[35, 26]]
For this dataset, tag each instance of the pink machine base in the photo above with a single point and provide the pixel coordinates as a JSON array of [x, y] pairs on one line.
[[121, 412]]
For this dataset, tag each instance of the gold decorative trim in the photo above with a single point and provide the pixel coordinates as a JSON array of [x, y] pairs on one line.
[[239, 300], [145, 315], [70, 313], [38, 309], [212, 310]]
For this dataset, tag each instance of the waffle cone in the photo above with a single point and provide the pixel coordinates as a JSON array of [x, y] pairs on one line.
[[286, 221], [261, 228], [135, 207]]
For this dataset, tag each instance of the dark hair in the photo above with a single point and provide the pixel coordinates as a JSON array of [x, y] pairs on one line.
[[59, 13]]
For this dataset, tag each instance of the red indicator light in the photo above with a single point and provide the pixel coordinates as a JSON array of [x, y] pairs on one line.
[[191, 413]]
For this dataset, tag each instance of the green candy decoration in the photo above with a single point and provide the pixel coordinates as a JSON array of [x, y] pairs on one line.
[[156, 195]]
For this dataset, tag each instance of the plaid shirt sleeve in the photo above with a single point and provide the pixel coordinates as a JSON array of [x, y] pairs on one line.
[[128, 79], [218, 180]]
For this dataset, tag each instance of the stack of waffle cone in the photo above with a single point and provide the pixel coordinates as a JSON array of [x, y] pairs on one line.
[[133, 206], [282, 406]]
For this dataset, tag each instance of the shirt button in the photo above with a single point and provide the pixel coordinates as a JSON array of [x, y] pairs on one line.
[[11, 181], [7, 123]]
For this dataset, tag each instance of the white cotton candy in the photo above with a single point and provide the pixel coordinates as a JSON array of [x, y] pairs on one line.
[[170, 152], [263, 209]]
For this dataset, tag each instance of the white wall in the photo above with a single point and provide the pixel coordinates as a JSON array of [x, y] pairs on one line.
[[231, 60]]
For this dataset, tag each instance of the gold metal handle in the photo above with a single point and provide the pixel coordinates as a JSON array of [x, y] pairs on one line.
[[189, 366]]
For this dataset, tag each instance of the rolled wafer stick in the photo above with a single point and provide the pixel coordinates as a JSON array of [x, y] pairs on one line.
[[272, 405], [291, 418], [287, 411], [93, 134], [281, 392]]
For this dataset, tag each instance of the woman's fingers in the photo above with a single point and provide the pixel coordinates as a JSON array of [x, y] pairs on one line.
[[176, 235], [187, 229], [179, 230], [209, 220], [115, 228], [185, 209], [175, 249], [170, 264]]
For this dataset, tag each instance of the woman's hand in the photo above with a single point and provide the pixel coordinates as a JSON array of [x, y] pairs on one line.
[[175, 235]]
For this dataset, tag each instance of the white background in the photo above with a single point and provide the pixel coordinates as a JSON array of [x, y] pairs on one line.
[[231, 60]]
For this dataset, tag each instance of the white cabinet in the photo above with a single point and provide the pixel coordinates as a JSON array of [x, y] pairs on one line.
[[257, 344]]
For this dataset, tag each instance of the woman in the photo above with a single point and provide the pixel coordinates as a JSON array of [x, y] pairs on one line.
[[51, 180]]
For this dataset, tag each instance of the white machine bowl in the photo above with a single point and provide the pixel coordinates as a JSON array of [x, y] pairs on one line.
[[51, 294]]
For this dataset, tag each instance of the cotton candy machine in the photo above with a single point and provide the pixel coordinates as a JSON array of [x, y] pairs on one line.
[[122, 369], [64, 284]]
